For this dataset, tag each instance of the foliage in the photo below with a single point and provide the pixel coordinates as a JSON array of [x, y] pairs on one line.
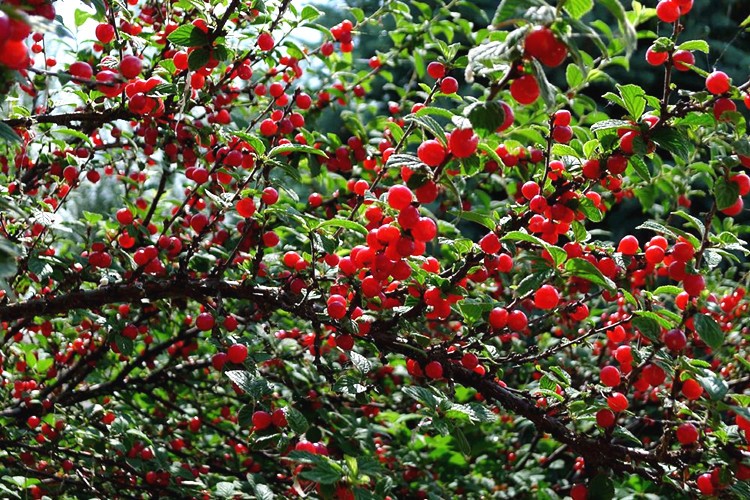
[[238, 261]]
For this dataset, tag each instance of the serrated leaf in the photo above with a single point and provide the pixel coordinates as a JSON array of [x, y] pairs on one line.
[[295, 148], [428, 123], [582, 268], [699, 45], [256, 388], [346, 224], [629, 34], [648, 327], [708, 330], [634, 98], [297, 421], [199, 58], [188, 36], [672, 140], [612, 124], [485, 117], [726, 193], [360, 362], [714, 385], [578, 8]]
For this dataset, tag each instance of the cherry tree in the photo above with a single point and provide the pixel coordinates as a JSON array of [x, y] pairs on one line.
[[238, 259]]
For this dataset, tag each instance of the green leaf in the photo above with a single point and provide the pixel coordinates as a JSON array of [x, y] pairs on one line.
[[714, 385], [295, 148], [700, 45], [256, 388], [508, 8], [627, 29], [9, 135], [610, 124], [198, 58], [428, 123], [460, 439], [726, 193], [640, 167], [673, 140], [310, 13], [582, 268], [573, 75], [188, 36], [591, 212], [346, 224], [634, 98], [485, 117], [297, 421], [648, 327], [360, 362], [80, 17], [547, 91], [578, 8], [558, 254], [708, 330], [324, 472]]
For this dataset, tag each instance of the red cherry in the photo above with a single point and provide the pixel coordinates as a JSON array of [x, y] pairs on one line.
[[105, 33], [268, 127], [743, 182], [579, 492], [610, 376], [431, 153], [205, 321], [735, 209], [617, 402], [433, 369], [605, 418], [463, 142], [399, 197], [656, 58], [685, 5], [668, 11], [562, 118], [693, 284], [424, 230], [265, 42], [704, 483], [14, 54], [723, 105], [517, 320], [539, 42], [218, 361], [237, 353], [124, 216], [547, 297], [556, 55], [449, 85], [469, 360], [130, 67], [245, 207], [490, 243], [498, 318], [691, 389], [508, 119], [525, 89], [718, 82], [628, 245], [675, 340], [81, 70], [681, 58], [436, 70], [261, 420], [33, 421], [687, 433]]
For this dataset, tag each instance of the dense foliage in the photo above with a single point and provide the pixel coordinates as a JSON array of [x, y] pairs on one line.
[[231, 268]]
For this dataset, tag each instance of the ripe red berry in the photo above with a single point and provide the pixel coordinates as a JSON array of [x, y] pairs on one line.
[[399, 197], [261, 420], [490, 243], [681, 59], [628, 245], [617, 402], [124, 216], [33, 421], [547, 297], [694, 284], [205, 321], [579, 492], [675, 340], [434, 369], [463, 142], [498, 318], [735, 209], [610, 376], [562, 134], [469, 360], [436, 70], [218, 361], [723, 105], [449, 85], [237, 353], [130, 67], [105, 33], [687, 433], [655, 58], [668, 11], [245, 207], [431, 153], [265, 42], [691, 389], [508, 119], [517, 320], [539, 42], [605, 418], [525, 89], [705, 484], [562, 118], [718, 83]]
